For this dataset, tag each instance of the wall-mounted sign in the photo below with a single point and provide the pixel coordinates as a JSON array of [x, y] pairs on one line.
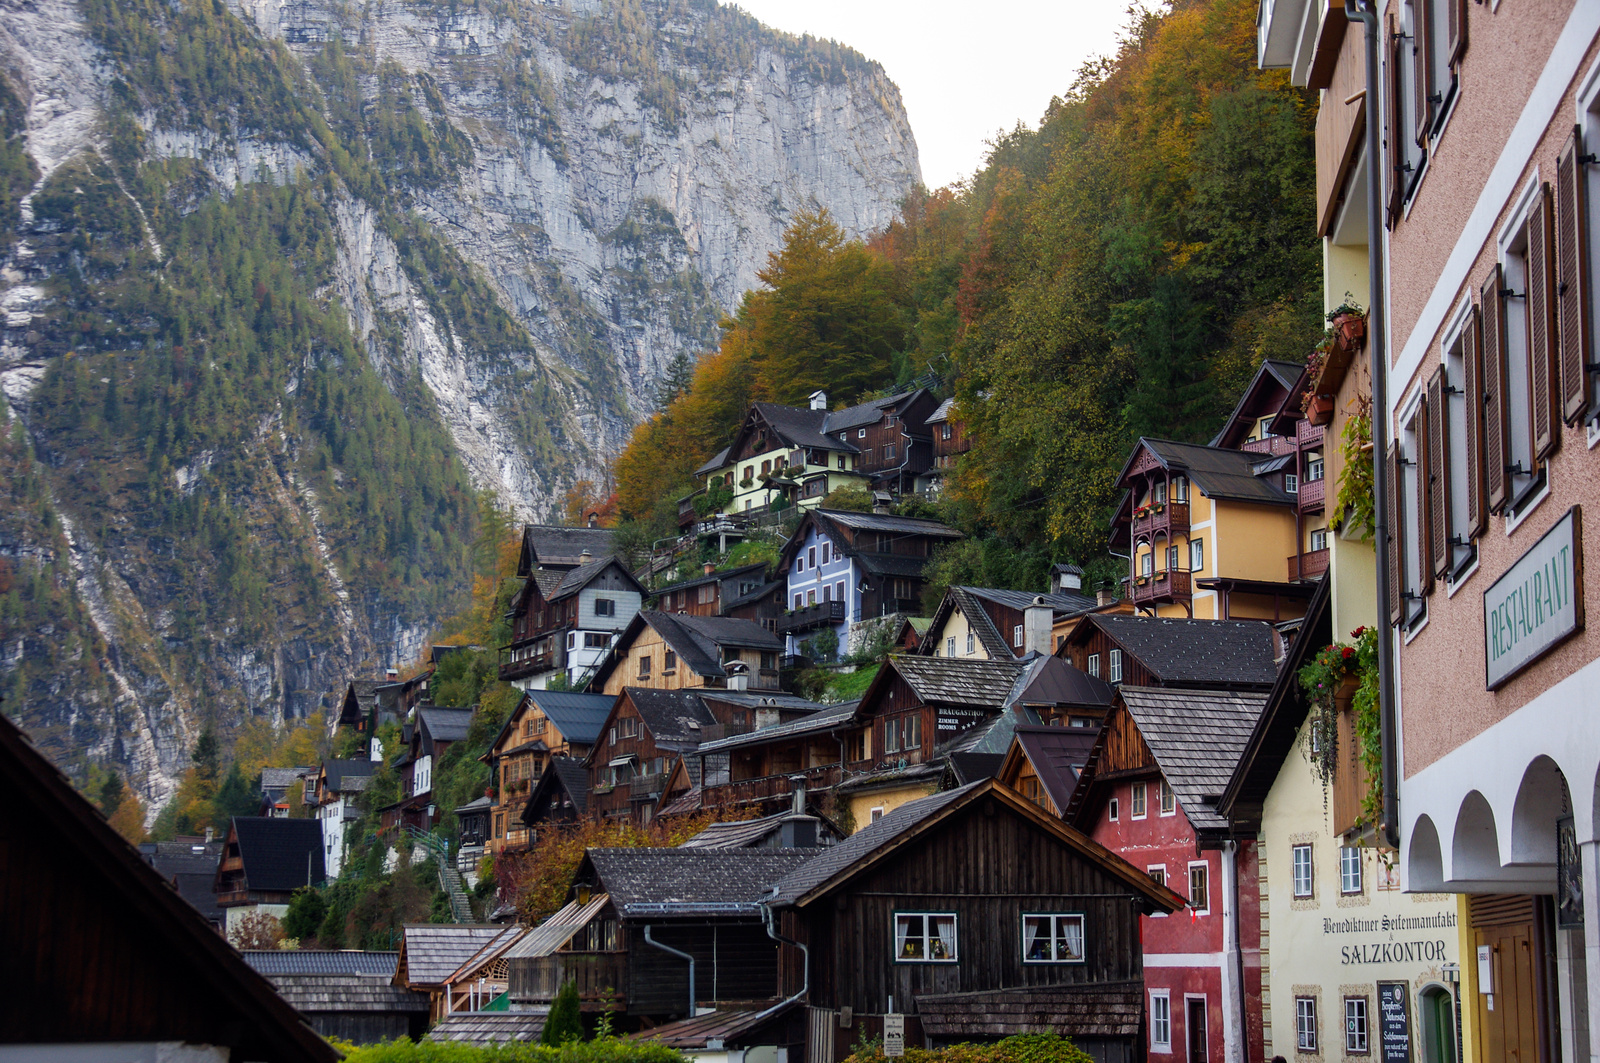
[[894, 1035], [1394, 1022], [1537, 603], [1569, 876]]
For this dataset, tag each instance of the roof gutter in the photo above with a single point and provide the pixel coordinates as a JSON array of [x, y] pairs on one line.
[[682, 956], [1366, 12], [805, 960]]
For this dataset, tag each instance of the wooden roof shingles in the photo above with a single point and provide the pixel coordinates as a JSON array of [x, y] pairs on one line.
[[1113, 1010], [1183, 651], [431, 952], [485, 1028], [1196, 737], [685, 878], [958, 680]]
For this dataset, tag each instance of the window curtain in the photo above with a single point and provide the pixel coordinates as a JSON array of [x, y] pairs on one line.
[[1069, 934], [902, 924], [1030, 931], [946, 928]]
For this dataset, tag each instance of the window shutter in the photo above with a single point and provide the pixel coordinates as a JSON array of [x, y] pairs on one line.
[[1456, 14], [1472, 386], [1572, 282], [1421, 79], [1438, 476], [1393, 117], [1397, 575], [1422, 462], [1541, 329], [1496, 436]]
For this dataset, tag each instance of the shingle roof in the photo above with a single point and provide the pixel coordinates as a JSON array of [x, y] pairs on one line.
[[801, 427], [865, 413], [557, 930], [1219, 472], [885, 522], [746, 833], [901, 565], [825, 719], [445, 725], [275, 851], [1065, 603], [282, 778], [1196, 737], [958, 680], [1181, 651], [491, 951], [574, 778], [1056, 754], [1053, 681], [943, 413], [755, 595], [1114, 1010], [321, 961], [978, 620], [578, 717], [699, 639], [671, 715], [574, 580], [484, 1028], [718, 460], [727, 1027], [182, 858], [344, 993], [1271, 371], [562, 547], [341, 773], [435, 951], [639, 879], [719, 574]]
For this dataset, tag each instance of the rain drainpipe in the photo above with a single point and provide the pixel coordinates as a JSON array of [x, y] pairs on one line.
[[767, 920], [1366, 12], [693, 1011]]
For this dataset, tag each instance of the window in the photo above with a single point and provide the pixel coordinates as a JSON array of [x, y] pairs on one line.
[[572, 640], [1169, 801], [1199, 891], [811, 557], [1157, 873], [1147, 563], [1314, 469], [1319, 539], [1094, 665], [1160, 1021], [1300, 860], [891, 736], [861, 433], [1349, 869], [1264, 428], [769, 660], [644, 667], [838, 591], [925, 937], [1197, 554], [1113, 809], [1291, 483], [628, 727], [888, 452], [1054, 938], [707, 593], [827, 550], [799, 601], [670, 662], [1158, 493], [945, 431], [1305, 1024], [950, 646], [800, 562], [811, 596], [1114, 673], [596, 640], [1137, 800], [971, 641], [876, 814], [1172, 559], [910, 732], [1016, 636], [1407, 549], [1355, 1024]]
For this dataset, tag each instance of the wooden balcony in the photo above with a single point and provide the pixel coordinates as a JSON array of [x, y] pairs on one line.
[[521, 659], [1160, 588], [770, 792], [1311, 496], [1309, 565], [1161, 520], [644, 787], [601, 978], [1272, 446], [821, 614], [1309, 435]]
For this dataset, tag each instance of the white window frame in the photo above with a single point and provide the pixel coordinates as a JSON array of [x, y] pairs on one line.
[[1169, 800], [971, 643], [950, 646], [875, 814], [1291, 483], [1413, 444], [1305, 1024], [928, 937], [1303, 873], [1205, 878], [1114, 666], [1161, 1021], [1054, 921], [1018, 635], [1180, 489], [1357, 1026], [1094, 665], [1319, 539], [1112, 810], [1315, 469], [1138, 804], [1351, 880], [1197, 554], [1452, 355]]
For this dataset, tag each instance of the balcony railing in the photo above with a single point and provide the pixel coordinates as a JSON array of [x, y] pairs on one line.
[[1273, 446], [600, 976], [525, 658], [641, 787], [773, 788], [1311, 495], [1309, 565], [819, 614], [1308, 434], [1159, 586], [1161, 518]]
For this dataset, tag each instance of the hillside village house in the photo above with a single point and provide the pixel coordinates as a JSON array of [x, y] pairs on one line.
[[1159, 651], [1043, 764], [335, 787], [263, 862], [431, 731], [928, 915], [1483, 343], [842, 568], [1148, 793], [545, 724], [190, 865], [989, 623], [950, 440], [666, 651], [559, 796], [432, 954], [344, 994], [711, 592], [564, 621]]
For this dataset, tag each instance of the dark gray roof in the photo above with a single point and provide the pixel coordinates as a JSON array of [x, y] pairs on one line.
[[182, 858], [321, 961], [825, 719], [445, 725], [1056, 754], [562, 547], [944, 412], [280, 779], [974, 767], [718, 460], [759, 699], [719, 574], [435, 951], [1196, 737], [698, 640], [485, 1028], [865, 413], [755, 595], [1061, 604], [886, 522], [902, 565], [958, 680], [574, 580], [671, 715], [640, 879], [578, 717], [801, 427], [835, 859], [1284, 374], [1178, 650], [312, 994], [275, 851], [744, 834], [1219, 472], [574, 777], [341, 772], [1053, 681], [978, 620]]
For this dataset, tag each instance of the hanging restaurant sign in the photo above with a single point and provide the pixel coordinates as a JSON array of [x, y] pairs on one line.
[[1536, 604]]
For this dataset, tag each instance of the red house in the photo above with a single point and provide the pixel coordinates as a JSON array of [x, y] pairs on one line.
[[1148, 793]]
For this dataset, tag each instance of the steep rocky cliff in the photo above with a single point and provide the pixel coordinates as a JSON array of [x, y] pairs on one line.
[[286, 285]]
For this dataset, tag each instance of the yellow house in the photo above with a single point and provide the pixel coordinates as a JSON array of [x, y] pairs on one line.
[[672, 651]]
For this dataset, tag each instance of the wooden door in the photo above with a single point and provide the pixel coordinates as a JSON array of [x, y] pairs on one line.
[[1508, 1006], [1195, 1030]]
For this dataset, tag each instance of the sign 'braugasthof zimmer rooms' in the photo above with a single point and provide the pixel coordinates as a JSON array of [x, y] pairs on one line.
[[1537, 603]]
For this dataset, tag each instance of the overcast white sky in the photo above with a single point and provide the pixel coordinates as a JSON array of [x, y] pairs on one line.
[[966, 68]]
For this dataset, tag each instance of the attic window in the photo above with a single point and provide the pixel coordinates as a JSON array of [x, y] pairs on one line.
[[605, 607], [861, 433]]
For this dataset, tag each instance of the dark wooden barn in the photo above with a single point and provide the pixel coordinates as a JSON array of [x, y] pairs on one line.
[[345, 994], [975, 915], [97, 948]]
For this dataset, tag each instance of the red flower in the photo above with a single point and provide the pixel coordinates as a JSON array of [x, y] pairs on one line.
[[1349, 652], [1358, 632]]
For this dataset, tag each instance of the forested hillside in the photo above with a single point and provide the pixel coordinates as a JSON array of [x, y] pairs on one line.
[[1119, 271]]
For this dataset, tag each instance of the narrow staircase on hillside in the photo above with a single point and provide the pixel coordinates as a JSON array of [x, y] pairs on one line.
[[450, 882]]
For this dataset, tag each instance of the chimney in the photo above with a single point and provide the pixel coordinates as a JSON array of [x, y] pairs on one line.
[[1037, 620], [799, 794], [819, 400], [1105, 595], [738, 674], [1066, 579], [585, 557], [210, 834], [392, 674], [881, 501], [711, 567]]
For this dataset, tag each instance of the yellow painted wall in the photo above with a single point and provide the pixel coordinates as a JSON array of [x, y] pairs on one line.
[[1254, 542], [626, 674], [957, 627], [861, 805]]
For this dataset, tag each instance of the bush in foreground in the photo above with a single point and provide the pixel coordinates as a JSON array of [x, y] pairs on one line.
[[600, 1050], [1023, 1048]]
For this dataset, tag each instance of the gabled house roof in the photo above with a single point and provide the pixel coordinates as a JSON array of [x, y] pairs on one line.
[[835, 866], [1053, 681], [870, 412], [697, 640], [559, 928], [755, 571], [749, 833], [945, 412], [578, 717], [1219, 472], [149, 946], [431, 952], [279, 855], [359, 698], [1184, 652], [322, 961], [829, 522], [1195, 738], [563, 775], [718, 460], [340, 775], [553, 546], [966, 681], [661, 882], [794, 426], [576, 579], [1055, 754], [443, 725], [671, 716], [1271, 377], [828, 718]]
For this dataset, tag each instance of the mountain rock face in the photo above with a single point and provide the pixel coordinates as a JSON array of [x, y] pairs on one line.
[[287, 285]]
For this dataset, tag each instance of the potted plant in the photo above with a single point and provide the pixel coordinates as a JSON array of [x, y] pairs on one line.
[[1349, 322]]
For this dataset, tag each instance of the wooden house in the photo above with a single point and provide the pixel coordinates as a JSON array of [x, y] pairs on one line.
[[558, 548], [841, 568], [1166, 651], [545, 724], [433, 731], [665, 651], [1150, 792], [639, 918], [103, 959], [264, 861], [949, 439], [277, 787], [564, 621], [709, 593], [561, 796], [190, 865], [989, 623], [335, 786], [893, 440], [432, 953], [971, 915], [344, 994], [357, 706], [1043, 764]]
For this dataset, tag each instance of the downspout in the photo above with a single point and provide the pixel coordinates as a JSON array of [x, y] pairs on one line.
[[682, 956], [1234, 1023], [1365, 11], [805, 959]]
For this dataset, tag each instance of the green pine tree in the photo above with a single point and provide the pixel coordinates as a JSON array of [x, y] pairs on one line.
[[111, 793], [565, 1022]]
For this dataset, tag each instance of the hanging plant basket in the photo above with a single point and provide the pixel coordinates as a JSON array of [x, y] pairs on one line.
[[1319, 411], [1351, 330]]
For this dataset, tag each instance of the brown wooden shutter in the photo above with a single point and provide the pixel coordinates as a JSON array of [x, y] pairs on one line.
[[1456, 31], [1394, 115], [1397, 576], [1421, 75], [1472, 386], [1439, 476], [1572, 282], [1496, 434], [1422, 464], [1541, 329]]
